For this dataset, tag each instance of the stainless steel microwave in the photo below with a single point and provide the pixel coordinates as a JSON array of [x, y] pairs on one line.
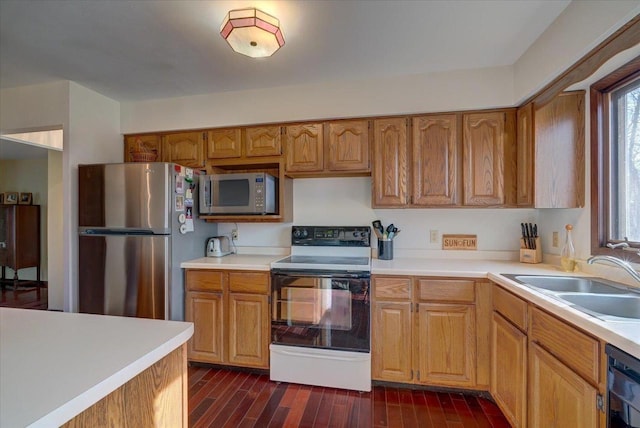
[[238, 193]]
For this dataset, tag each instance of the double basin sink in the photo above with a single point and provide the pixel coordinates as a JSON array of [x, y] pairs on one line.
[[598, 297]]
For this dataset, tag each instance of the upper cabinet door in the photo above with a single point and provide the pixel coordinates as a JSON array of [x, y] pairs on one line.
[[304, 148], [559, 147], [485, 147], [435, 159], [224, 143], [390, 163], [348, 146], [184, 148], [142, 148], [263, 141], [525, 156]]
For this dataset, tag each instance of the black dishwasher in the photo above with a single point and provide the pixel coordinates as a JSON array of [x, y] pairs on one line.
[[623, 381]]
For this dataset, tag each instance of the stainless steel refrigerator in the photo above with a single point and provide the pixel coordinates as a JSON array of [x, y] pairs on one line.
[[137, 223]]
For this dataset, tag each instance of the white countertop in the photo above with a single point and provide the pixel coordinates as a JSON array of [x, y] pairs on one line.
[[233, 261], [55, 365], [622, 334]]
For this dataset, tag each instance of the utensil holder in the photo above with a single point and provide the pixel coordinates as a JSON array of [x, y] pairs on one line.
[[385, 249], [531, 256]]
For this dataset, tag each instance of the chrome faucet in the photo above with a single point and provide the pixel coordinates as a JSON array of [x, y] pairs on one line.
[[616, 261]]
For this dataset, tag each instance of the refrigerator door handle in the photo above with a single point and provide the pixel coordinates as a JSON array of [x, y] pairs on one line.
[[116, 232]]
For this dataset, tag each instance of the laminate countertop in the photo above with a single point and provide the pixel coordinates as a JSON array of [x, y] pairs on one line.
[[55, 365], [234, 262]]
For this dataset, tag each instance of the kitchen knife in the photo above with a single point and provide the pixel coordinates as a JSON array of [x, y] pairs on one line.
[[524, 235], [529, 228], [535, 235]]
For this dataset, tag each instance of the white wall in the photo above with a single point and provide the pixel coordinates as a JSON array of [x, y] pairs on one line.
[[91, 126], [29, 175], [578, 29]]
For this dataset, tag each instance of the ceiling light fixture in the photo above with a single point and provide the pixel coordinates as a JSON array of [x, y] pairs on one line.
[[252, 32]]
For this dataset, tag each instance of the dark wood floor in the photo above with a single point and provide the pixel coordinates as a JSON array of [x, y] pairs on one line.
[[25, 296], [226, 398]]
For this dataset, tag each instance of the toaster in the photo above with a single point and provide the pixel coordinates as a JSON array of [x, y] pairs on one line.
[[218, 246]]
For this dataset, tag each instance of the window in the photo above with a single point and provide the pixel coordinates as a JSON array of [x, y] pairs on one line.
[[615, 163]]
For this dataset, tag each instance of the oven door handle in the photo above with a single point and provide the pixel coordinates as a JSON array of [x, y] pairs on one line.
[[307, 274], [324, 356]]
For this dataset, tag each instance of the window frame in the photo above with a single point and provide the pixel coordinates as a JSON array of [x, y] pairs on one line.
[[600, 107]]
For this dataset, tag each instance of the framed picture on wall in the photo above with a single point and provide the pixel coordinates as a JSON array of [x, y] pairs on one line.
[[11, 198], [25, 199]]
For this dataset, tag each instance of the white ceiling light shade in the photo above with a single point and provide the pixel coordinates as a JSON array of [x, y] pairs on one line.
[[252, 32]]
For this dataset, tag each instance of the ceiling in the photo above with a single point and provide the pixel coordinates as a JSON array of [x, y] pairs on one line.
[[140, 50]]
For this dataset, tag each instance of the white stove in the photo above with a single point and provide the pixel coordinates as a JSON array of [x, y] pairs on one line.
[[321, 315]]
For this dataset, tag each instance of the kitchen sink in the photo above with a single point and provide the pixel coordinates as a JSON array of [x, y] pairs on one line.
[[598, 297], [623, 306], [570, 284]]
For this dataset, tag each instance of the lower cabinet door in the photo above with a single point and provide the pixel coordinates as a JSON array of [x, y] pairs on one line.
[[509, 370], [391, 341], [205, 310], [558, 397], [249, 330], [446, 344]]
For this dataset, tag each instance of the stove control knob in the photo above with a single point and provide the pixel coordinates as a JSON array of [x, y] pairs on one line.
[[305, 233], [297, 233]]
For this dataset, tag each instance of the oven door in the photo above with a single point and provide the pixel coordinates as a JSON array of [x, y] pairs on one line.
[[320, 309]]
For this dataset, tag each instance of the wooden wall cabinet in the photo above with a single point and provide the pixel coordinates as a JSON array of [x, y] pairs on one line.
[[244, 143], [262, 141], [20, 238], [184, 148], [390, 163], [230, 312], [337, 148], [304, 148], [425, 331], [224, 143], [489, 158], [458, 159], [551, 153]]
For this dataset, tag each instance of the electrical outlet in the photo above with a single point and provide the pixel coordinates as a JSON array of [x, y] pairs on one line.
[[433, 236], [555, 239], [234, 234]]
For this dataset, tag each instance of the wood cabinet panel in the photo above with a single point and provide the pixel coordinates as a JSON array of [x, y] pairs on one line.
[[206, 311], [263, 141], [184, 148], [348, 146], [391, 340], [304, 148], [435, 159], [509, 370], [446, 290], [446, 344], [558, 397], [249, 330], [390, 165], [249, 282], [511, 307], [142, 148], [224, 143], [387, 288], [574, 348], [525, 156], [484, 158], [559, 148], [204, 280]]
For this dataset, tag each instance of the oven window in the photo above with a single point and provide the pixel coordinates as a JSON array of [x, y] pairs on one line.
[[320, 312]]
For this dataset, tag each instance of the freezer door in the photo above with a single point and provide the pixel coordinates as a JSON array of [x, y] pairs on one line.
[[125, 275], [126, 196]]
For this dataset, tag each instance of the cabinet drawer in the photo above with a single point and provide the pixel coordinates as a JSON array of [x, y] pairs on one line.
[[392, 288], [575, 349], [447, 290], [204, 280], [249, 282], [511, 307]]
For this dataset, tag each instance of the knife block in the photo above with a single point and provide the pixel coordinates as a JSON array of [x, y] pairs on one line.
[[531, 256]]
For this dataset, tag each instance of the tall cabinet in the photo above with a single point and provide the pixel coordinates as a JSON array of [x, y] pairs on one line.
[[19, 238]]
